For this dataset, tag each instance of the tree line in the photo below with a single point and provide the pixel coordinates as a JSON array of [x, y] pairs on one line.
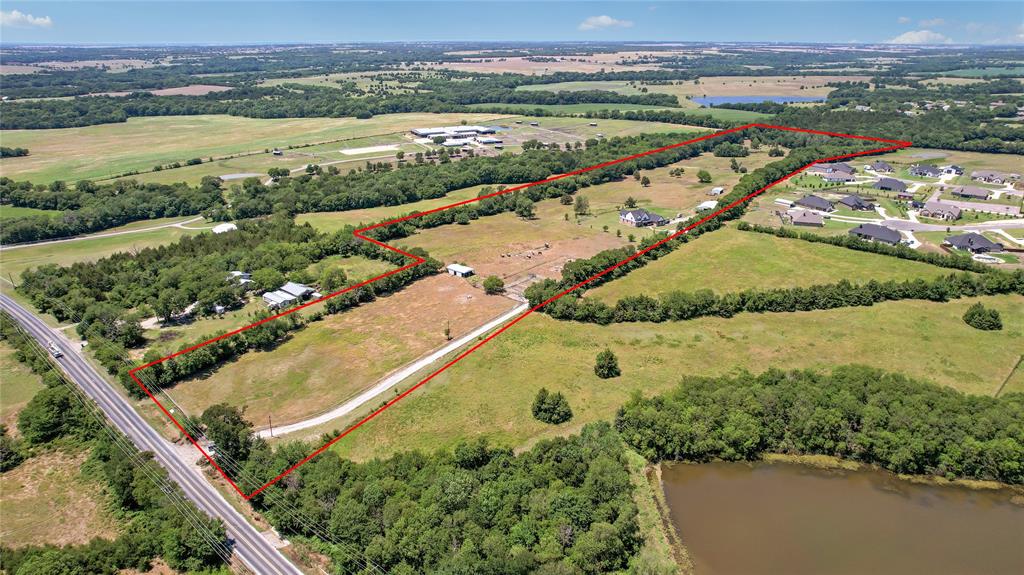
[[152, 524], [854, 412]]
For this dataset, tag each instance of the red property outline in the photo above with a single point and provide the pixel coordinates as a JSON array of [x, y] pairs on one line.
[[895, 145]]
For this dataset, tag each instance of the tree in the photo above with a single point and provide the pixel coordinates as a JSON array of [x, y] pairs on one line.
[[582, 205], [551, 408], [645, 181], [980, 317], [704, 177], [565, 200], [493, 285], [630, 202], [400, 155], [229, 431], [607, 365], [438, 139], [332, 279], [267, 279], [524, 208]]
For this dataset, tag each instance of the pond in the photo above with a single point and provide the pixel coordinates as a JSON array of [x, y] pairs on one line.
[[716, 100], [795, 519]]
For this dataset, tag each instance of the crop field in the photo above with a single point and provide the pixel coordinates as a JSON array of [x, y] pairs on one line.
[[49, 485], [332, 360], [87, 249], [923, 339], [19, 385], [72, 154], [761, 261]]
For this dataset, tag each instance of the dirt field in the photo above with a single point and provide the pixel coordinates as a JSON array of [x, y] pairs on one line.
[[45, 501], [334, 359], [192, 90]]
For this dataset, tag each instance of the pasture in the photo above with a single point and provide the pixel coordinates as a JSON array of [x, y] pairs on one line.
[[922, 339], [106, 150], [19, 385]]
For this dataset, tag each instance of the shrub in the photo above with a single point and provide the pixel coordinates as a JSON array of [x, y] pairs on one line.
[[493, 285], [980, 317], [551, 408], [607, 365]]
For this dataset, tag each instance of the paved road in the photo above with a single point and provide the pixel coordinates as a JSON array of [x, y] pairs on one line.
[[180, 224], [249, 546], [393, 379]]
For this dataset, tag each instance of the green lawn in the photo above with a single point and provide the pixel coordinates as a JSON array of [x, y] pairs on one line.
[[757, 260], [14, 261], [9, 212], [490, 393], [72, 154]]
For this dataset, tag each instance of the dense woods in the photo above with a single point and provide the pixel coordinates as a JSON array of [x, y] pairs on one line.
[[854, 412], [150, 509]]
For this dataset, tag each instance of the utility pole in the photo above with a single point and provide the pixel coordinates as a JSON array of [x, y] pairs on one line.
[[271, 424]]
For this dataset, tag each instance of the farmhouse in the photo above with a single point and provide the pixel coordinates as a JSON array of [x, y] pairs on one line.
[[459, 270], [278, 299], [298, 290], [855, 202], [974, 243], [992, 176], [891, 185], [806, 218], [881, 167], [716, 191], [815, 203], [972, 192], [876, 233], [941, 211], [640, 217], [925, 171]]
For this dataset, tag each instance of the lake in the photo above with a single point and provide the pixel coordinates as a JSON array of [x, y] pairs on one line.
[[795, 519], [716, 100]]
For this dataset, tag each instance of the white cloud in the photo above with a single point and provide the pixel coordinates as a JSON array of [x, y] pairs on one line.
[[903, 20], [16, 19], [932, 22], [920, 37], [603, 22]]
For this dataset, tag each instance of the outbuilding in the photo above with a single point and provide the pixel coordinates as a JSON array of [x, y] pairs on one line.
[[459, 270]]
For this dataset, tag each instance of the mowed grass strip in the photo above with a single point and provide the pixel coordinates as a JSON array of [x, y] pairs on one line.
[[100, 151], [729, 260], [19, 385], [490, 392]]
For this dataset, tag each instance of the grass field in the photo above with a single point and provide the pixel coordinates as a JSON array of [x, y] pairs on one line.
[[100, 151], [46, 501], [330, 361], [490, 393], [970, 161], [719, 113], [9, 212], [758, 261], [14, 261], [19, 385], [988, 71]]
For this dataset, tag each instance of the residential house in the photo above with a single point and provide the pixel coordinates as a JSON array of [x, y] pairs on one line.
[[806, 218], [239, 277], [890, 185], [459, 270], [971, 192], [925, 171], [838, 177], [952, 170], [830, 168], [298, 290], [855, 202], [974, 243], [278, 299], [881, 167], [990, 176], [640, 217], [876, 233], [940, 211], [815, 203]]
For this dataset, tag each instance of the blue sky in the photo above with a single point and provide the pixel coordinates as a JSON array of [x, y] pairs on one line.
[[241, 21]]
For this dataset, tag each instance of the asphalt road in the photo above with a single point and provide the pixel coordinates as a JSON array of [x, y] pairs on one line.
[[248, 545]]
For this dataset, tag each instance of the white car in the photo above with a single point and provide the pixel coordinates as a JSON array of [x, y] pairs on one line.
[[54, 350]]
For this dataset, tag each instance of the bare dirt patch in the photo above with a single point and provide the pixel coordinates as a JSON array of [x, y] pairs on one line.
[[192, 90]]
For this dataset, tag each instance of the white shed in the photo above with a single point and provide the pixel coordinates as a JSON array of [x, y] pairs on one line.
[[460, 270], [708, 205], [221, 228]]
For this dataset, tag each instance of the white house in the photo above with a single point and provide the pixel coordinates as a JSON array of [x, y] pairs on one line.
[[295, 289], [459, 270], [277, 299]]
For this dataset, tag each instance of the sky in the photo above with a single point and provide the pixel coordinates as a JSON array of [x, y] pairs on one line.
[[248, 22]]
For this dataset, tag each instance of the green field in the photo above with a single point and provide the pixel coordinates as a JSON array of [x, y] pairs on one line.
[[761, 261], [9, 212], [334, 221], [988, 71], [19, 385], [14, 261], [719, 113], [101, 151], [490, 393]]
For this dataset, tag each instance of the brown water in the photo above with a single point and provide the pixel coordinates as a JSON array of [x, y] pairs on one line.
[[793, 519]]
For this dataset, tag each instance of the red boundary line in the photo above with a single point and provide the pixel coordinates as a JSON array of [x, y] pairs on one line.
[[895, 145]]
